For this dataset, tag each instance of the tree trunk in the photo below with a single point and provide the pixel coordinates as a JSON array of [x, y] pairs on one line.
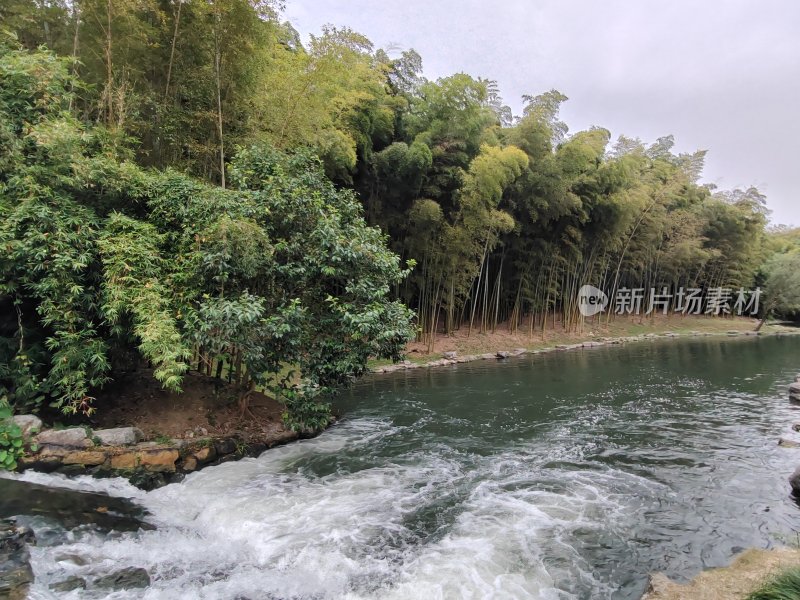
[[109, 67], [218, 77], [172, 51], [76, 14]]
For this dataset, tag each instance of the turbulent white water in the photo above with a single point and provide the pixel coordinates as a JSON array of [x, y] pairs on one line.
[[257, 528], [413, 497]]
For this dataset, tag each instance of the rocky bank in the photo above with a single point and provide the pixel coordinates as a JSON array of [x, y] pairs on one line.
[[122, 452]]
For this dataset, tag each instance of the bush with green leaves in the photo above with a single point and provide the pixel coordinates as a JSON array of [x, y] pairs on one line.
[[12, 444], [275, 283]]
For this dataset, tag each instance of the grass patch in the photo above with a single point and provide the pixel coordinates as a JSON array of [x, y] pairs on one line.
[[784, 586]]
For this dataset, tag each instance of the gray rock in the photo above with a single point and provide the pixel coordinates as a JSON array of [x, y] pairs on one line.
[[132, 577], [794, 391], [438, 363], [16, 574], [74, 437], [788, 443], [29, 424], [503, 354], [794, 481], [449, 355], [119, 436], [75, 559], [148, 480], [225, 446], [69, 584]]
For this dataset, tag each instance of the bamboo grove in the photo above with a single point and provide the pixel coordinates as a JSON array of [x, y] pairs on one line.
[[193, 141]]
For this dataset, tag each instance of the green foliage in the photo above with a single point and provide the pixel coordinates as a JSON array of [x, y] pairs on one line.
[[105, 259], [133, 285], [12, 446], [280, 278], [783, 586], [305, 410], [782, 284]]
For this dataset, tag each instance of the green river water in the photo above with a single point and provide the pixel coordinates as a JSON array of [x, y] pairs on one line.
[[554, 476]]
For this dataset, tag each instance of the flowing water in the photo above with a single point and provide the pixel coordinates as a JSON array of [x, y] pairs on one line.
[[566, 475]]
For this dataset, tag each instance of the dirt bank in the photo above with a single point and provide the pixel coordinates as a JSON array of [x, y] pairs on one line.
[[746, 573]]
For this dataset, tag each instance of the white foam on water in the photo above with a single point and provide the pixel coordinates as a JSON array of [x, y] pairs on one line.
[[264, 528]]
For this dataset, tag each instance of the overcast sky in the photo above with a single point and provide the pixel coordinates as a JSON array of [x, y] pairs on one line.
[[719, 75]]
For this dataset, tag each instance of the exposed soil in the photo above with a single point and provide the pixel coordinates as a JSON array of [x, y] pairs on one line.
[[475, 342], [206, 408]]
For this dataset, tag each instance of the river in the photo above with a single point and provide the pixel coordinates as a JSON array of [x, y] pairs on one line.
[[552, 476]]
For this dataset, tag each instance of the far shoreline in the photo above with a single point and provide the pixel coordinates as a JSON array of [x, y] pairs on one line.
[[491, 346]]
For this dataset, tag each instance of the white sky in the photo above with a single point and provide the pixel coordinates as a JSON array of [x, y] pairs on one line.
[[719, 75]]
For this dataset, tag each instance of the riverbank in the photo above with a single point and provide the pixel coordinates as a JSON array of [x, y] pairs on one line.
[[748, 571], [461, 347], [123, 452], [152, 436], [178, 434]]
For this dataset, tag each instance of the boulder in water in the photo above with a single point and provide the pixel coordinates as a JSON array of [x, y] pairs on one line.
[[16, 574], [124, 579], [69, 584], [147, 480], [794, 391], [794, 481]]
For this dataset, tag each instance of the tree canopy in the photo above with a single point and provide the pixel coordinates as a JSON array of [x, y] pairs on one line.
[[187, 182], [103, 258]]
